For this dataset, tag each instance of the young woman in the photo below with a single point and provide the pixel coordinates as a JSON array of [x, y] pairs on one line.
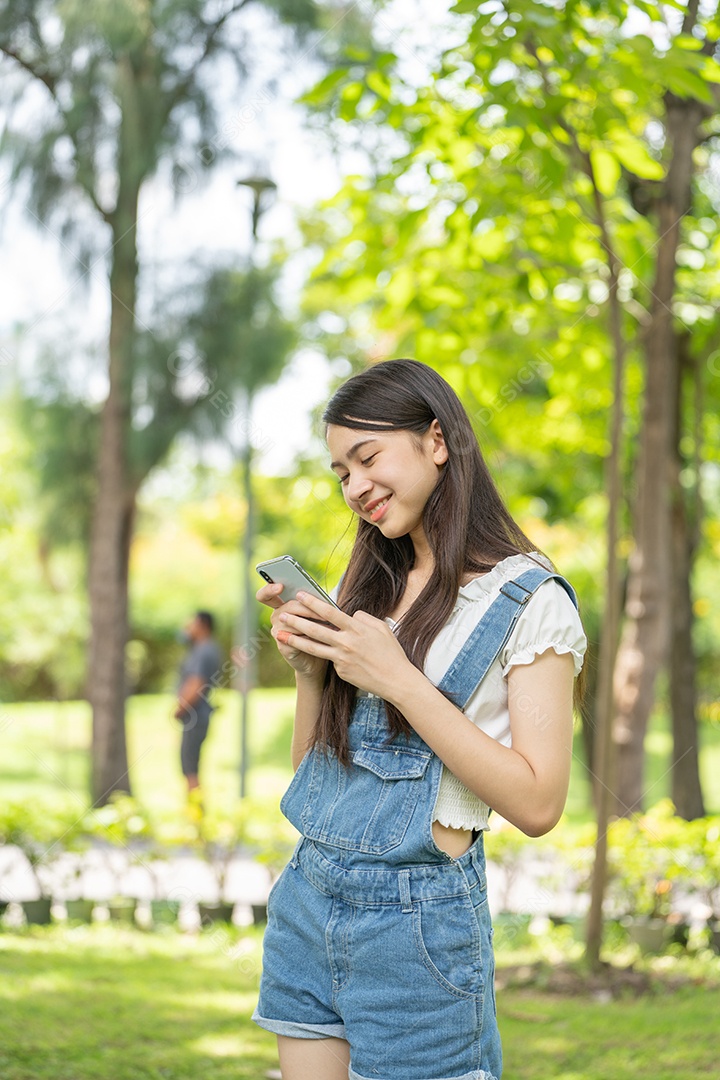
[[443, 687]]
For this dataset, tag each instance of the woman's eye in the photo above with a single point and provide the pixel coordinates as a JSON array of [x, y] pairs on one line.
[[342, 479], [368, 460]]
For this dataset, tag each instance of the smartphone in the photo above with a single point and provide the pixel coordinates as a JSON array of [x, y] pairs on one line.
[[289, 573]]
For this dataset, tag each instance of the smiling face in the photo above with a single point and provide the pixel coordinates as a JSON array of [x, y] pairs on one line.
[[387, 476]]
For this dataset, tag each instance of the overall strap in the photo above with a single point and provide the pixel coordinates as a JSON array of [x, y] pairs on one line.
[[472, 663]]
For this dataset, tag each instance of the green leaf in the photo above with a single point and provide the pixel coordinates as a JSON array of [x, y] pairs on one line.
[[356, 52], [379, 84], [321, 92], [634, 155], [465, 7], [711, 70], [384, 60], [490, 244], [687, 41], [606, 169], [687, 84], [650, 9], [349, 97]]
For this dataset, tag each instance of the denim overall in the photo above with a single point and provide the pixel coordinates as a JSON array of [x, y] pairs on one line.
[[375, 934]]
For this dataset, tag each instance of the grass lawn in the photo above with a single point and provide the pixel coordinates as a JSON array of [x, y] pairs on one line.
[[99, 1001], [663, 1037], [45, 754], [45, 751]]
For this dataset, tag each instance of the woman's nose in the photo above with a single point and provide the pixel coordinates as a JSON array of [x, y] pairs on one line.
[[357, 486]]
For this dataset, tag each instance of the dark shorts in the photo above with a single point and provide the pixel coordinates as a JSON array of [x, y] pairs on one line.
[[194, 734]]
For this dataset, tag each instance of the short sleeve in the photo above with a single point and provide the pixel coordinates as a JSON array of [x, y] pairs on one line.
[[204, 661], [549, 621]]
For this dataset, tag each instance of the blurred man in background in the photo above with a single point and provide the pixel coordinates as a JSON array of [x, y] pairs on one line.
[[198, 674]]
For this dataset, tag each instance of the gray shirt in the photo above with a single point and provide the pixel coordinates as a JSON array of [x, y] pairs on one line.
[[202, 659]]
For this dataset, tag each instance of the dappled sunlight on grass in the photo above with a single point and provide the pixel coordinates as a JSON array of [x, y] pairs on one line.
[[114, 1002], [553, 1036], [220, 1045], [121, 1003]]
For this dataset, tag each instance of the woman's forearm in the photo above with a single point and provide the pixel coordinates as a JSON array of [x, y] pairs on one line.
[[307, 710]]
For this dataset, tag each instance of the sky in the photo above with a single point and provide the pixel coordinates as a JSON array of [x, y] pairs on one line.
[[46, 297]]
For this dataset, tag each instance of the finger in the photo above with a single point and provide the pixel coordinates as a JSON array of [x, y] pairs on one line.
[[306, 645], [308, 627], [295, 607], [326, 612], [270, 595]]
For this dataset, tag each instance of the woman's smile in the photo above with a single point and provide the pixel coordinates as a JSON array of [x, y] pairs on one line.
[[378, 508]]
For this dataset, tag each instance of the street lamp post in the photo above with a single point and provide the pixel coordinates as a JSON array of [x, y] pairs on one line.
[[262, 189]]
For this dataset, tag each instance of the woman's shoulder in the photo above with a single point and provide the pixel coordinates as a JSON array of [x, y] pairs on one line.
[[549, 615], [506, 570], [548, 620]]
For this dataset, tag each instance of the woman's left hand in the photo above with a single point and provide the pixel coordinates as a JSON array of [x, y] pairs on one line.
[[363, 650]]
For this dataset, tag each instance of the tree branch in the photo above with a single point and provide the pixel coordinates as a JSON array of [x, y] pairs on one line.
[[89, 190], [211, 30], [45, 77], [690, 18]]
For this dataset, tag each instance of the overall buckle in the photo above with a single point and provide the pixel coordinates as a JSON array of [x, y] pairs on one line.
[[523, 599]]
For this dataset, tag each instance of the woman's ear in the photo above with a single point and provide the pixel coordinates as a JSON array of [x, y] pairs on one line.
[[439, 449]]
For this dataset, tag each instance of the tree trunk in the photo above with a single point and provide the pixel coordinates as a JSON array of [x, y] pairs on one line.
[[110, 547], [602, 761], [686, 789], [108, 588], [645, 639], [113, 512]]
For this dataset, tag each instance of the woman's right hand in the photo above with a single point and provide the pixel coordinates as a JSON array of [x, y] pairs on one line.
[[308, 667]]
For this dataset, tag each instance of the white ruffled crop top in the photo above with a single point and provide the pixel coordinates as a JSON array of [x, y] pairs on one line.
[[549, 620]]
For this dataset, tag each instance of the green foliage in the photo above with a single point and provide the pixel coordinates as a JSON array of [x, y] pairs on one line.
[[108, 96], [235, 340], [654, 855], [42, 638], [254, 825], [35, 832], [487, 194], [61, 443], [120, 822], [475, 241], [705, 833], [44, 834], [225, 341]]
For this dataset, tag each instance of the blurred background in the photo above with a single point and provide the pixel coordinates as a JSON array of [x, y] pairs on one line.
[[216, 211]]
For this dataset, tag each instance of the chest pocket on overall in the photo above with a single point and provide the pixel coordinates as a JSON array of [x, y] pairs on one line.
[[366, 807]]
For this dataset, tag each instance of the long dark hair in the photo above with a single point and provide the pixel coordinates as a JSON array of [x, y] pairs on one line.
[[467, 525]]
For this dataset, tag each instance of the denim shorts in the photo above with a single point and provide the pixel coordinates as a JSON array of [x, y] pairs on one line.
[[397, 961]]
